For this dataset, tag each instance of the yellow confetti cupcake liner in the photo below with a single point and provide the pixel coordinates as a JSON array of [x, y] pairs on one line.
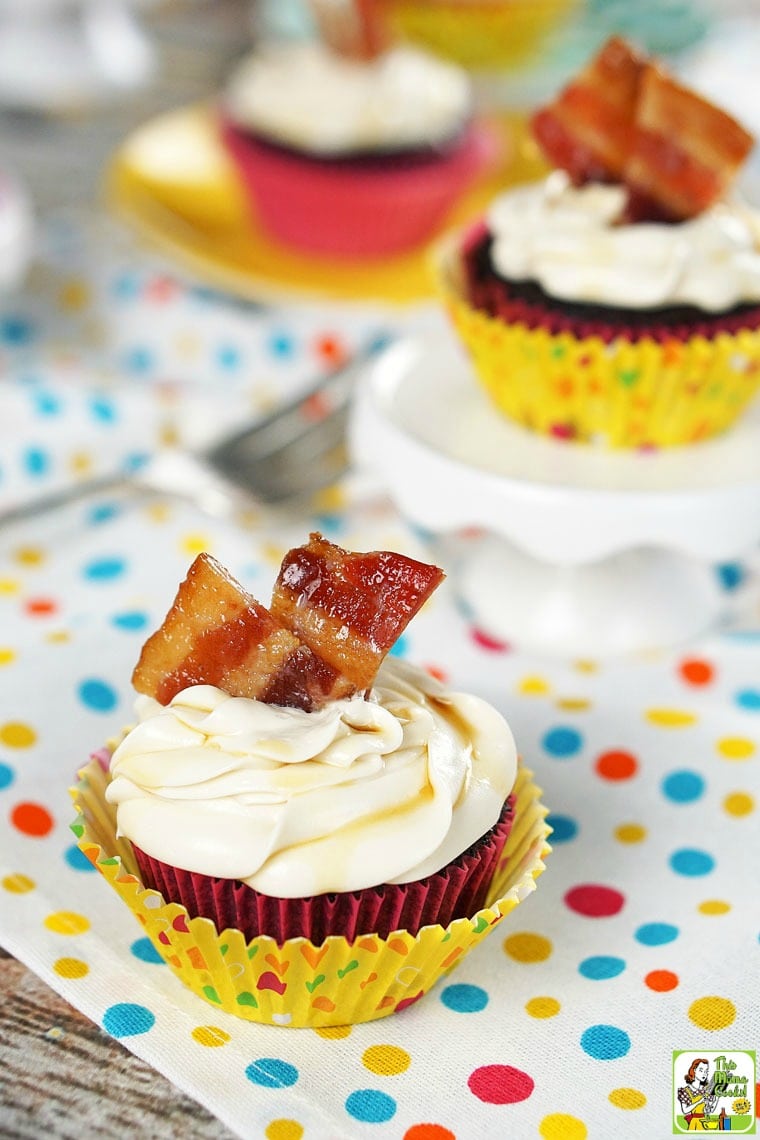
[[299, 984], [620, 395], [479, 33]]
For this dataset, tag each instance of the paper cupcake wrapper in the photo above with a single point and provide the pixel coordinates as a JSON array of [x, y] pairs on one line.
[[298, 984], [455, 891], [615, 393], [478, 33]]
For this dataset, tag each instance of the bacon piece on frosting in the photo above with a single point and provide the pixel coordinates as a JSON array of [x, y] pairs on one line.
[[586, 131], [216, 633], [685, 151], [350, 608]]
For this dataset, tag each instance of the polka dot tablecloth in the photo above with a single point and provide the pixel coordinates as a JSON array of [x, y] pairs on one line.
[[643, 935]]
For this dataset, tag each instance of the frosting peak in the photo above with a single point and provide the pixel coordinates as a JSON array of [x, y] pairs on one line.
[[384, 788]]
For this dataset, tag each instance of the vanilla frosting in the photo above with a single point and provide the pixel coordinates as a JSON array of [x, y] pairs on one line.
[[572, 243], [302, 95], [383, 788]]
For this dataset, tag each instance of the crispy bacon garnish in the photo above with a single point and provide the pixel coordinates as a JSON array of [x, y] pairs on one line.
[[350, 608], [685, 152], [586, 131], [334, 616]]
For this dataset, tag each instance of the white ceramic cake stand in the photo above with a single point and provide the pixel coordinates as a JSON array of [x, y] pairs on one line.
[[582, 551]]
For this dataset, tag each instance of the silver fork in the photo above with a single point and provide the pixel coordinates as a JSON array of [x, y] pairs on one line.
[[279, 460]]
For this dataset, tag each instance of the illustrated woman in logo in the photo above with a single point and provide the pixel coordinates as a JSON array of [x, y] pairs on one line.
[[696, 1097]]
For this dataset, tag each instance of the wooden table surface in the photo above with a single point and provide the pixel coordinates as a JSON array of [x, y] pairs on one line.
[[61, 1076]]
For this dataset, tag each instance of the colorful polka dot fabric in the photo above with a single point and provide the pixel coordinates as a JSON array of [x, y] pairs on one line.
[[643, 935]]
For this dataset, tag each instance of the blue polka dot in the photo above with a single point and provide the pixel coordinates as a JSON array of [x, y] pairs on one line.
[[132, 619], [400, 648], [138, 360], [380, 340], [330, 524], [35, 461], [464, 998], [656, 933], [126, 286], [689, 861], [104, 569], [562, 742], [749, 699], [563, 828], [16, 330], [135, 460], [605, 1042], [271, 1073], [103, 410], [103, 512], [46, 403], [127, 1020], [77, 860], [144, 949], [683, 787], [281, 344], [600, 968], [370, 1106], [730, 575], [7, 776], [228, 357], [97, 695]]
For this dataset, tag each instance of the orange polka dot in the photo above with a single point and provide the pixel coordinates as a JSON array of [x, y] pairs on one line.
[[696, 671], [437, 672], [428, 1132], [330, 349], [40, 607], [661, 980], [616, 765], [32, 819]]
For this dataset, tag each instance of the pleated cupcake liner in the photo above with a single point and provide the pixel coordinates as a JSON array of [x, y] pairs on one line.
[[614, 388], [298, 982]]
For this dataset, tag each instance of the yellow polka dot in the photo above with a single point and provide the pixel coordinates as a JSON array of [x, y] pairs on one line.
[[739, 803], [283, 1130], [80, 462], [714, 906], [210, 1035], [560, 1126], [542, 1007], [58, 636], [670, 718], [533, 686], [630, 833], [526, 947], [7, 655], [29, 555], [9, 586], [573, 704], [584, 666], [168, 435], [71, 968], [158, 512], [386, 1060], [15, 734], [195, 543], [67, 922], [627, 1098], [334, 1032], [18, 884], [736, 747], [273, 553], [330, 499], [74, 295], [712, 1012], [188, 345]]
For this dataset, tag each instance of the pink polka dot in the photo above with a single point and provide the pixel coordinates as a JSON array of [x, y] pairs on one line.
[[500, 1084], [486, 641], [594, 901]]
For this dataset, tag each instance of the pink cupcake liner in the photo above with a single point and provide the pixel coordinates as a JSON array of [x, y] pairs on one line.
[[456, 891], [354, 209]]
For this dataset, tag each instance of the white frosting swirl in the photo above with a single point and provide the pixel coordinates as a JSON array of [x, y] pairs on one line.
[[362, 792], [302, 95], [571, 242]]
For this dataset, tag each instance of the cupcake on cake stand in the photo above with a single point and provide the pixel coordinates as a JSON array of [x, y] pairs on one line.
[[557, 547]]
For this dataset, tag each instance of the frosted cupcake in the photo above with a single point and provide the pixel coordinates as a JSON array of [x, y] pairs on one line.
[[287, 788], [348, 157], [618, 301]]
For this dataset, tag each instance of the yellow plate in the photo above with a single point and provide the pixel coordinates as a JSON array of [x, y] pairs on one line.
[[173, 182]]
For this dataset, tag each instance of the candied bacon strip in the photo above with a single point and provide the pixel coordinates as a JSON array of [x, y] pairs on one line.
[[685, 151], [350, 608], [216, 633], [586, 131]]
